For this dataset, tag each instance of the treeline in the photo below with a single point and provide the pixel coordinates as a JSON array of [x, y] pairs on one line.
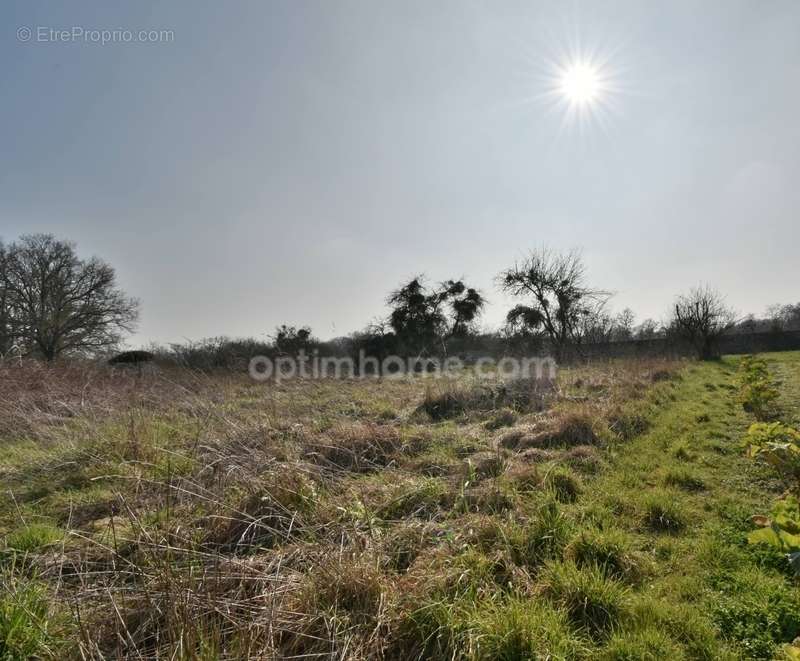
[[53, 303], [560, 316]]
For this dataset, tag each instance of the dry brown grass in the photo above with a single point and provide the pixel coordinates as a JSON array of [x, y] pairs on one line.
[[210, 517]]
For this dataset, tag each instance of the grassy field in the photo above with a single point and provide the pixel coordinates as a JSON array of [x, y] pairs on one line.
[[185, 516]]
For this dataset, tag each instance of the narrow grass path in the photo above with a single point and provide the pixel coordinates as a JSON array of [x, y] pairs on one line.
[[685, 492]]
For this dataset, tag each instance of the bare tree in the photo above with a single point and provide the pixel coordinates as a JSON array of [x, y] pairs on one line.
[[6, 335], [702, 317], [58, 303], [648, 330], [783, 317], [623, 325], [560, 300]]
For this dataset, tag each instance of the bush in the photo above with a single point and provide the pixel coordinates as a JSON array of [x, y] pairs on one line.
[[757, 392], [456, 400], [779, 446]]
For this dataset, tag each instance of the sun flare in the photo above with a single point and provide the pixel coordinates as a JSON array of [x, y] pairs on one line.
[[580, 83], [584, 86]]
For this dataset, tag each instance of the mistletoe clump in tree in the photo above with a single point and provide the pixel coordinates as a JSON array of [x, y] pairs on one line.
[[424, 317]]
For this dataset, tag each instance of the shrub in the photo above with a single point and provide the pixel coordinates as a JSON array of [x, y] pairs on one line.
[[452, 401], [781, 529], [590, 598], [779, 446], [757, 392]]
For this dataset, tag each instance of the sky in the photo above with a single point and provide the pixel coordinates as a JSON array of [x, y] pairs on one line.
[[275, 162]]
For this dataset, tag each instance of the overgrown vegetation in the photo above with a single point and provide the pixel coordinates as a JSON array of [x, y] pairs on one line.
[[180, 515]]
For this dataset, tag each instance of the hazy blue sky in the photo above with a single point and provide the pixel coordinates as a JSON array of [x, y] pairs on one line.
[[293, 161]]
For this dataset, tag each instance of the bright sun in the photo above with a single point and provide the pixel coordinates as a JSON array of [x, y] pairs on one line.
[[580, 83]]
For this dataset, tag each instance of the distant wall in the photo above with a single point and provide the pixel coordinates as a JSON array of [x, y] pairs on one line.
[[758, 342], [735, 343]]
